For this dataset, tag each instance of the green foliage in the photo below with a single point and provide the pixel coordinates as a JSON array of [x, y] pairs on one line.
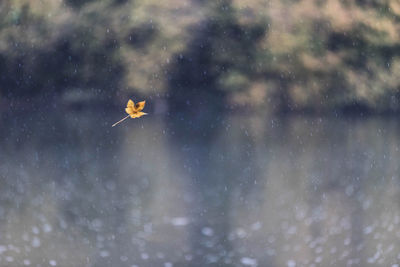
[[218, 59], [287, 56], [37, 60]]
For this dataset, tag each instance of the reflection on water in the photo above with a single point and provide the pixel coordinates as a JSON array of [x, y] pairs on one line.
[[232, 191]]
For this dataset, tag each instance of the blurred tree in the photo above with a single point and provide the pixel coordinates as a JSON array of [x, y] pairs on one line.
[[77, 3], [318, 56], [38, 61], [219, 59]]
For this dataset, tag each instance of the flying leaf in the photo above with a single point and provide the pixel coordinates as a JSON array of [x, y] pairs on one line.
[[134, 111]]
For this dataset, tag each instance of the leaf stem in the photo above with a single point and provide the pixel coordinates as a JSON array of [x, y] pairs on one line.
[[120, 121]]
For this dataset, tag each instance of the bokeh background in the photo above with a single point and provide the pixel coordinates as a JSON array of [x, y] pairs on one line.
[[280, 56], [272, 137]]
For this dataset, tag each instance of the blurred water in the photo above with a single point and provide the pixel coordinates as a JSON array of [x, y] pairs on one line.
[[234, 190]]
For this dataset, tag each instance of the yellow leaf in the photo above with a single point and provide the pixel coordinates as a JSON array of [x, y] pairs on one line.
[[130, 104], [129, 110], [134, 111], [139, 106], [138, 114]]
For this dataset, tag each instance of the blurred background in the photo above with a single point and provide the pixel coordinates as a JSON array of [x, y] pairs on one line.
[[272, 137], [280, 56]]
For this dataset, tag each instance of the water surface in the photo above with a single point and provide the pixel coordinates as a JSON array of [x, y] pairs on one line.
[[236, 190]]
